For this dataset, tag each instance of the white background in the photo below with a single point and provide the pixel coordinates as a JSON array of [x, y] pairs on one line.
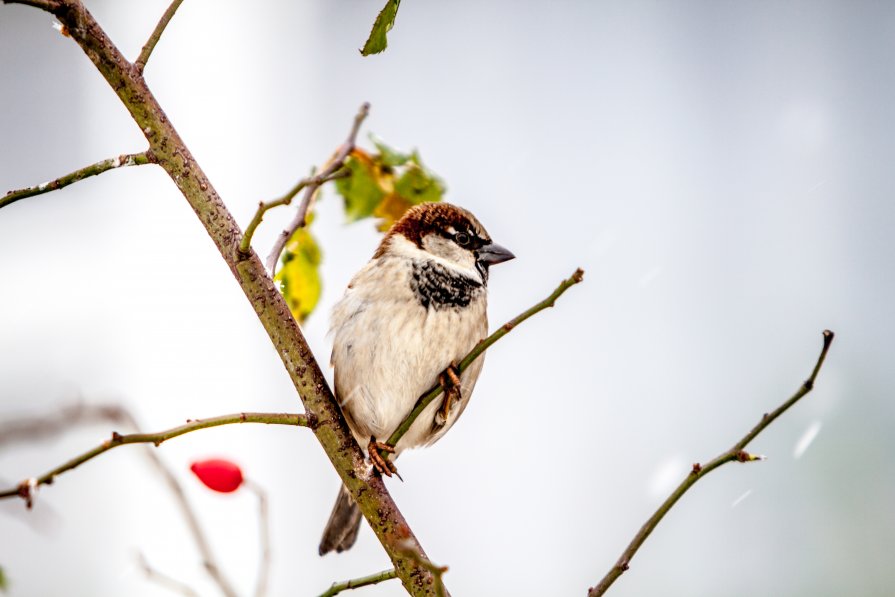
[[721, 170]]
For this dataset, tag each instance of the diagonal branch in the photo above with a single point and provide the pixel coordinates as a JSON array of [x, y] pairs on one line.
[[335, 164], [25, 488], [164, 580], [263, 207], [122, 161], [427, 398], [141, 61], [736, 453], [366, 489]]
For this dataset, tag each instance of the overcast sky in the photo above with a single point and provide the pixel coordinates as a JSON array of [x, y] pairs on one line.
[[721, 170]]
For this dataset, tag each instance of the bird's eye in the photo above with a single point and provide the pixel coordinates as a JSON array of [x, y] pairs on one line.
[[461, 238]]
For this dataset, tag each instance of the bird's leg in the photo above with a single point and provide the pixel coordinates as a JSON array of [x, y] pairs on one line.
[[382, 463], [450, 383]]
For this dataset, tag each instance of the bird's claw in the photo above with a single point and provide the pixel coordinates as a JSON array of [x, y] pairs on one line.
[[382, 463], [450, 383]]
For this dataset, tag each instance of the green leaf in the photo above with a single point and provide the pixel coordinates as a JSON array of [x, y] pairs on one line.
[[389, 156], [386, 184], [362, 190], [418, 185], [299, 276], [377, 41]]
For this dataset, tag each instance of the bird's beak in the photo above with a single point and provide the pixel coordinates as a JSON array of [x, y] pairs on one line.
[[492, 254]]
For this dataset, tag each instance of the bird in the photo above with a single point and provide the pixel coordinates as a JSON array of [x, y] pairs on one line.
[[405, 321]]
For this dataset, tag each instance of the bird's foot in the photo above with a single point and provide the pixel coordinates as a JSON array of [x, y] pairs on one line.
[[381, 462], [450, 383]]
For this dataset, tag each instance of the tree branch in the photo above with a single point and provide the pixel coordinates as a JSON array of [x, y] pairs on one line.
[[356, 583], [334, 164], [366, 489], [172, 584], [25, 488], [735, 453], [85, 414], [264, 523], [124, 160], [286, 199], [477, 351], [29, 429], [141, 61]]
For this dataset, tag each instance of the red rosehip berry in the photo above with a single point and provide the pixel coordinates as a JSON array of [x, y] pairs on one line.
[[218, 474]]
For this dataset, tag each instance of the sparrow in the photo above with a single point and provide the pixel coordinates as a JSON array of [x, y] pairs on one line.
[[407, 318]]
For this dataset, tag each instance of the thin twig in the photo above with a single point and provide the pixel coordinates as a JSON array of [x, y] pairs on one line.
[[286, 199], [477, 351], [35, 428], [141, 61], [25, 487], [128, 159], [736, 453], [116, 413], [209, 562], [264, 533], [163, 579], [336, 163], [356, 583], [187, 174]]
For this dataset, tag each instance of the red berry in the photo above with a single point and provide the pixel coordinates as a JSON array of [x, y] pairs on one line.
[[218, 474]]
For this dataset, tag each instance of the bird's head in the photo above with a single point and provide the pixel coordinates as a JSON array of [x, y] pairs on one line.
[[446, 233]]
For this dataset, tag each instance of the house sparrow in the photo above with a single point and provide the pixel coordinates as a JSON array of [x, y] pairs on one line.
[[406, 320]]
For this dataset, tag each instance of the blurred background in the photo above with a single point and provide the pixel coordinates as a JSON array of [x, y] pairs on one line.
[[721, 170]]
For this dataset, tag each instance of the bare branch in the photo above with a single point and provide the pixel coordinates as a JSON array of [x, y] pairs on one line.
[[122, 161], [335, 163], [477, 351], [736, 453], [356, 583], [81, 414], [436, 570], [141, 61], [25, 488], [29, 429], [368, 490], [263, 207], [264, 525], [163, 579]]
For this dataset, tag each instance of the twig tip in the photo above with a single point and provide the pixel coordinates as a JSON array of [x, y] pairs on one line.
[[743, 456]]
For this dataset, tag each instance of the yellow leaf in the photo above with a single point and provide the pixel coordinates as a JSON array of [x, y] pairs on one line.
[[299, 276]]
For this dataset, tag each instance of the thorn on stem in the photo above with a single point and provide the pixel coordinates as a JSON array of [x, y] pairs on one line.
[[696, 468]]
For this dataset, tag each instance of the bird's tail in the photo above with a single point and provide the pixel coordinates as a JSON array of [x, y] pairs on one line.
[[344, 523]]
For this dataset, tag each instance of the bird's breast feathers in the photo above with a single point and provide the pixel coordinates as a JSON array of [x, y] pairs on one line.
[[402, 321]]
